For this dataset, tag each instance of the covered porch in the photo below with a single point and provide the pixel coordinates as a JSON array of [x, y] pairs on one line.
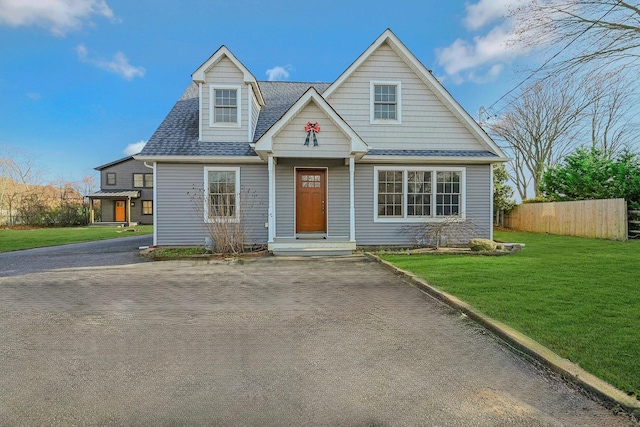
[[311, 153], [115, 207]]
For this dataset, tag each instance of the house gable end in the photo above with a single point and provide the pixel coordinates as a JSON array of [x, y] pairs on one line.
[[199, 76], [428, 116], [288, 136]]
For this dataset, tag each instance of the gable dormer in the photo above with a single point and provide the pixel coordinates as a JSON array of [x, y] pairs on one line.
[[229, 99]]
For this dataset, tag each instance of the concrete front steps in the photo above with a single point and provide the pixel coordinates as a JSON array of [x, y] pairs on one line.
[[310, 246]]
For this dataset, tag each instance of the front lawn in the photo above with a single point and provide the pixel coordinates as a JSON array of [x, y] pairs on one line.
[[13, 240], [579, 297]]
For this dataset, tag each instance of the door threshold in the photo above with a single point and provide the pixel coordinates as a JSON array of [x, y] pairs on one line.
[[307, 236]]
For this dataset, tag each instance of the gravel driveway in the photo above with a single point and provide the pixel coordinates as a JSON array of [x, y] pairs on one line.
[[271, 341]]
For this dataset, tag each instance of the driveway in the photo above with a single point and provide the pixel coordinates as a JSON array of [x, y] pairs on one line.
[[266, 342], [123, 250]]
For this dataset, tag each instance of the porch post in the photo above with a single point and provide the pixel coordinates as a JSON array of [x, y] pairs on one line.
[[272, 199], [92, 215], [128, 211], [352, 203]]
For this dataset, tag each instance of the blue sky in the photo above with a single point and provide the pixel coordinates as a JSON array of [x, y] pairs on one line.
[[85, 82]]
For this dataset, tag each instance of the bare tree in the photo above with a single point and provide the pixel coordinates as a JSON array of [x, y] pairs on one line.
[[18, 172], [589, 31], [612, 101], [539, 127]]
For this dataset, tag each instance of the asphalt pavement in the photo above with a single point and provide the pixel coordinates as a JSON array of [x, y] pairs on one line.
[[120, 251], [265, 342]]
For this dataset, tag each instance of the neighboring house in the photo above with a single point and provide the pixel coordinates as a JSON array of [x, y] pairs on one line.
[[329, 166], [126, 193]]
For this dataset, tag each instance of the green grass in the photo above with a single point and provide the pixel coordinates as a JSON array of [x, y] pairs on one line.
[[13, 240], [579, 297]]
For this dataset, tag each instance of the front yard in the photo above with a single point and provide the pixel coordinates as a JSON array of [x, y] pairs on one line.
[[13, 239], [579, 297]]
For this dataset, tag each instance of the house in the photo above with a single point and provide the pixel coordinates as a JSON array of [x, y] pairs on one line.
[[126, 193], [329, 166]]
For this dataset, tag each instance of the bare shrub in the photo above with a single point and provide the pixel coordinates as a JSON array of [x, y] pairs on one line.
[[452, 230], [225, 219]]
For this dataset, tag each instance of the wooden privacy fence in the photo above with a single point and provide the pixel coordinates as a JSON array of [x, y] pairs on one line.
[[600, 219]]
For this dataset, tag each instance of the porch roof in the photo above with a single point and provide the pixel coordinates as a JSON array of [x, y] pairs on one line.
[[432, 153], [115, 194]]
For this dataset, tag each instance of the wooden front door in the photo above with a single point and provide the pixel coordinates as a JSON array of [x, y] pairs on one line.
[[311, 197], [120, 210]]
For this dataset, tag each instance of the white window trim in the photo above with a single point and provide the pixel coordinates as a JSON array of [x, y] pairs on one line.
[[212, 122], [372, 119], [206, 193], [434, 170]]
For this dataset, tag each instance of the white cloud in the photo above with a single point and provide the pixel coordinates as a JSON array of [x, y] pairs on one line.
[[119, 64], [278, 73], [483, 58], [134, 148], [488, 11], [57, 16]]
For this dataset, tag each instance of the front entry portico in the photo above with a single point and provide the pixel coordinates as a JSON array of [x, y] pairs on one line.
[[311, 185]]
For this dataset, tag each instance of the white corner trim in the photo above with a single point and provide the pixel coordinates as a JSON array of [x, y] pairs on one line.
[[249, 113], [199, 111], [212, 89]]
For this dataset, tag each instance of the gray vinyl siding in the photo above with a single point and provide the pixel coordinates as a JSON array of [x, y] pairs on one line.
[[368, 232], [180, 222], [255, 110], [124, 181], [338, 202], [289, 142], [337, 196], [224, 73], [426, 123]]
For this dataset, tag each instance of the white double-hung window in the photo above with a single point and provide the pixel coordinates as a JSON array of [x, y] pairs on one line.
[[224, 109], [222, 194], [418, 194], [385, 102]]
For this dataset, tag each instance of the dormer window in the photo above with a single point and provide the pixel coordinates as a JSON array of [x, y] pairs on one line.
[[225, 106], [385, 102]]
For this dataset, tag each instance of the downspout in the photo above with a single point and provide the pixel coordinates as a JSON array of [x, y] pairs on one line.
[[155, 203]]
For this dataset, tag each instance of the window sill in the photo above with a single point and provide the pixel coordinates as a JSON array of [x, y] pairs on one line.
[[225, 125], [419, 220], [385, 122]]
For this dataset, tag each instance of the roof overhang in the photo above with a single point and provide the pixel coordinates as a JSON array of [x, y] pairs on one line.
[[433, 159], [115, 194], [201, 159]]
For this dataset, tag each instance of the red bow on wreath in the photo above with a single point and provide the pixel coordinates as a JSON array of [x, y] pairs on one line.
[[312, 129]]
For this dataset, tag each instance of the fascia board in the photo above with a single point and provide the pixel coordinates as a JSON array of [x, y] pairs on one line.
[[432, 160], [200, 159]]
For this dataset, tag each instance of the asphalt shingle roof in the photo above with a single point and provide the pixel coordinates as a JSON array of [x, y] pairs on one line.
[[177, 135], [432, 153]]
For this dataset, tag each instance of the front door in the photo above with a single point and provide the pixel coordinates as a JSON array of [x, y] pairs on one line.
[[311, 196], [120, 214]]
